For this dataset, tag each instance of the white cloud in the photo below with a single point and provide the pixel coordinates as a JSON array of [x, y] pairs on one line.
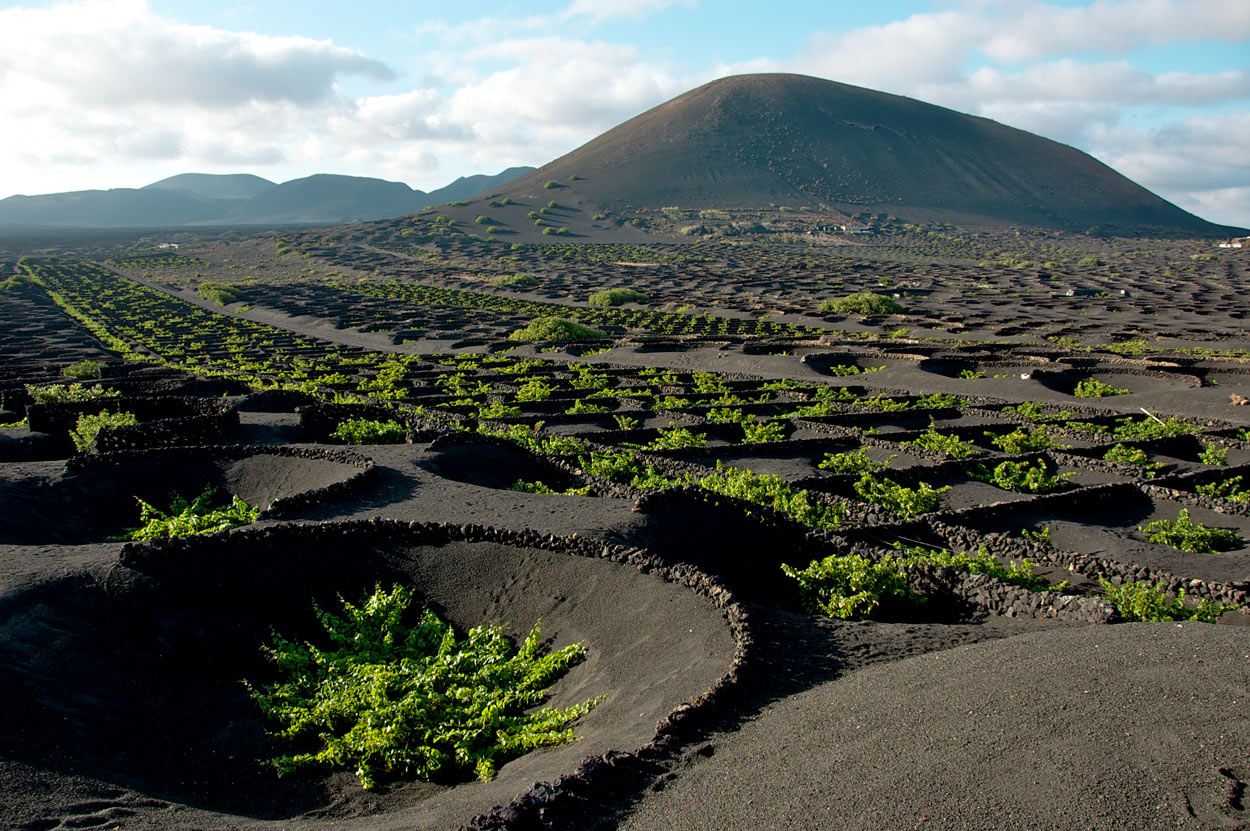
[[599, 11], [1028, 31], [117, 53]]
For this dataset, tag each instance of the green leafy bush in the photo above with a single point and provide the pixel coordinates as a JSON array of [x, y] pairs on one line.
[[937, 399], [1023, 441], [862, 303], [904, 501], [1132, 456], [582, 407], [535, 389], [616, 297], [1214, 454], [624, 467], [1230, 489], [531, 436], [514, 281], [1184, 534], [1131, 429], [369, 431], [952, 446], [1093, 388], [673, 439], [852, 461], [84, 370], [392, 700], [1147, 602], [71, 394], [222, 294], [1022, 477], [982, 562], [773, 492], [850, 586], [554, 329], [762, 432], [89, 426], [186, 519]]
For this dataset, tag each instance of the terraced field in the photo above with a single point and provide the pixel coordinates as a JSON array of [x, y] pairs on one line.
[[763, 528]]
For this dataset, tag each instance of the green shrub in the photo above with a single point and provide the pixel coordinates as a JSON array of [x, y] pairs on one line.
[[1021, 477], [850, 586], [71, 394], [89, 426], [904, 501], [222, 294], [1130, 429], [84, 370], [514, 281], [368, 431], [624, 467], [862, 303], [882, 403], [554, 329], [982, 562], [531, 436], [1147, 602], [388, 699], [1023, 441], [762, 432], [581, 407], [1093, 388], [616, 297], [1214, 454], [1230, 489], [937, 399], [1132, 456], [187, 519], [535, 389], [773, 492], [497, 409], [673, 439], [952, 446], [852, 461], [1184, 534]]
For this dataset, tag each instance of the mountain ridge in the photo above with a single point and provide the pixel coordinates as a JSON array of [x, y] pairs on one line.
[[203, 199]]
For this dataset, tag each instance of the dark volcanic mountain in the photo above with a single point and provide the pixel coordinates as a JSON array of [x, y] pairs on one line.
[[753, 140]]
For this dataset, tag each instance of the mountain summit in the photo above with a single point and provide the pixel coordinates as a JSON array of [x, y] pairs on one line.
[[749, 141]]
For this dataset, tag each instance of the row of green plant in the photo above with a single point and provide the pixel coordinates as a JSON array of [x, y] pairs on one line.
[[852, 587]]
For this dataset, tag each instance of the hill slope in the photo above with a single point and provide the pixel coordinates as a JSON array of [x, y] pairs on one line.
[[752, 140], [215, 185]]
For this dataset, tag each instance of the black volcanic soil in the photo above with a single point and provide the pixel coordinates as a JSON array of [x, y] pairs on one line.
[[121, 680]]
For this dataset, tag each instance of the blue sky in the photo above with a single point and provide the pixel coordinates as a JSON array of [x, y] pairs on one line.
[[120, 93]]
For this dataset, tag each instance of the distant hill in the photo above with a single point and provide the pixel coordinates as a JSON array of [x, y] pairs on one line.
[[750, 141], [191, 199], [215, 185], [326, 199], [467, 187]]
